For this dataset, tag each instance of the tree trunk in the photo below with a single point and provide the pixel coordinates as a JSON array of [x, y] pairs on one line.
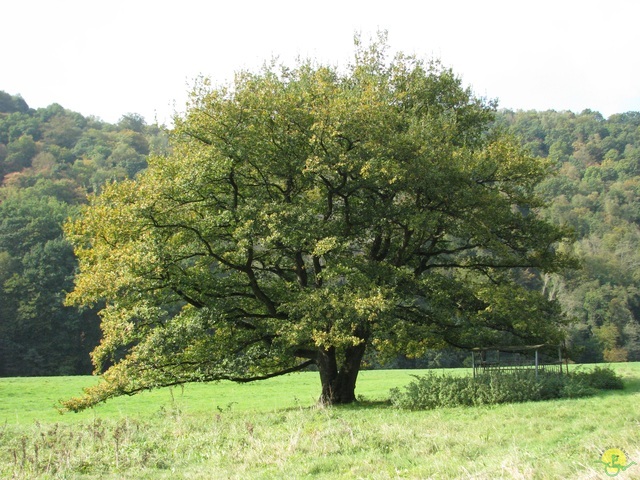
[[339, 384]]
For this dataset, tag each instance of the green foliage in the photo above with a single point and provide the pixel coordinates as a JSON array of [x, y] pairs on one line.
[[19, 154], [12, 103], [437, 391], [16, 125], [27, 219], [602, 378], [133, 122], [39, 334]]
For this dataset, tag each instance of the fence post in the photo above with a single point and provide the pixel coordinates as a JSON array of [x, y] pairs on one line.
[[473, 363], [560, 359]]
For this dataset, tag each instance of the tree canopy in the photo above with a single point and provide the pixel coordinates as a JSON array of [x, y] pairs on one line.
[[307, 214]]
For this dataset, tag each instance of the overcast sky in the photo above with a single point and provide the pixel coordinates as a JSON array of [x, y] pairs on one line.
[[109, 58]]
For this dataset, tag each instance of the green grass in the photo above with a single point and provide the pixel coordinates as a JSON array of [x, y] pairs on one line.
[[24, 400], [276, 431]]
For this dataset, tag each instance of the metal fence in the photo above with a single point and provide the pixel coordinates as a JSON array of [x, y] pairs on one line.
[[537, 358]]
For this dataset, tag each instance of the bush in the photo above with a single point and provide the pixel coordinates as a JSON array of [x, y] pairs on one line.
[[602, 378], [432, 391], [576, 388]]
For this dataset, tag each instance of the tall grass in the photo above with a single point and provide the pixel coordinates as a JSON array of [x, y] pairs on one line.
[[208, 436]]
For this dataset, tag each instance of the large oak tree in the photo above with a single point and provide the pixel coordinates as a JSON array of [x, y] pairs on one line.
[[307, 214]]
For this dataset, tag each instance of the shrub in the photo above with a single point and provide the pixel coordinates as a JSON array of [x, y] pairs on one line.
[[431, 391], [576, 388], [602, 378], [551, 386]]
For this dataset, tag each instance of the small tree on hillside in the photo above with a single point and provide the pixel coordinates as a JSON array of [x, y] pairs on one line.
[[306, 214]]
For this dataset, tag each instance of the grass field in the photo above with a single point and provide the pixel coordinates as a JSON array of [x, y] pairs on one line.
[[274, 429]]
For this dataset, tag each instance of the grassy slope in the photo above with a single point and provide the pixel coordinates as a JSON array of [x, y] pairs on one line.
[[274, 431]]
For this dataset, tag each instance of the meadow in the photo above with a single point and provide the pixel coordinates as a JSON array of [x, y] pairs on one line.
[[275, 429]]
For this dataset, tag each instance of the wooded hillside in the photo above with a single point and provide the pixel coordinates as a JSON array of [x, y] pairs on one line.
[[597, 192], [50, 159]]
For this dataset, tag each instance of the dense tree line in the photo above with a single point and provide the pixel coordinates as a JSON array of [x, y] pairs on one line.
[[52, 158]]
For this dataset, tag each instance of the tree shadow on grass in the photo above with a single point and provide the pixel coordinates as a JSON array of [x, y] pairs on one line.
[[360, 404]]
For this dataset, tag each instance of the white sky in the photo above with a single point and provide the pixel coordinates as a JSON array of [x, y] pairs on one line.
[[109, 58]]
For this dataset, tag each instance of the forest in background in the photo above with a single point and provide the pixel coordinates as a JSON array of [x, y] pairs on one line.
[[52, 158]]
